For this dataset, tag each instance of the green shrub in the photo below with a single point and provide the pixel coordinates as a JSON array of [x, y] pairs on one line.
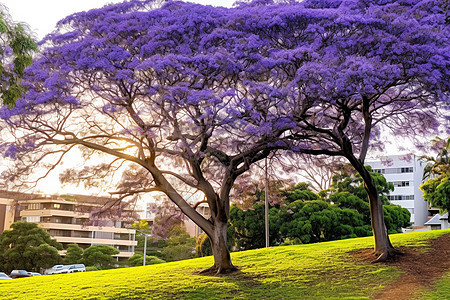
[[203, 245]]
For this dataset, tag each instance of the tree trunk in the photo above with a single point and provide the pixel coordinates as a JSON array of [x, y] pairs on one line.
[[222, 259], [383, 247]]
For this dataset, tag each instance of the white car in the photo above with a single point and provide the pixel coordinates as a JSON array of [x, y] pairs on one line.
[[63, 269], [56, 269], [76, 268], [4, 276]]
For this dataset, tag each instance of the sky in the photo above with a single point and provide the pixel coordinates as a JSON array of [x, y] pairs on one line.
[[42, 15]]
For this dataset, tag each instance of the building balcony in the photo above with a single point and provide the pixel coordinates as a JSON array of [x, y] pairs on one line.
[[77, 227], [93, 241], [54, 212]]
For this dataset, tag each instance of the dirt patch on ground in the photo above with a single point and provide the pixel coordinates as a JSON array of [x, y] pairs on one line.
[[421, 268]]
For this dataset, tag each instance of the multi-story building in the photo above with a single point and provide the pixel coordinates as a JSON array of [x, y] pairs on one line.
[[9, 207], [406, 175], [6, 214], [67, 220]]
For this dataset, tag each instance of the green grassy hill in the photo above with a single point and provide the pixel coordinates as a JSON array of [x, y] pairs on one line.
[[314, 271]]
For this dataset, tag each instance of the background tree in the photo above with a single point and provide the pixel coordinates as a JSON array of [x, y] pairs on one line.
[[28, 247], [203, 245], [137, 260], [100, 256], [167, 216], [436, 190], [348, 191], [179, 246], [305, 217], [343, 71], [247, 229], [143, 228], [16, 50], [74, 254]]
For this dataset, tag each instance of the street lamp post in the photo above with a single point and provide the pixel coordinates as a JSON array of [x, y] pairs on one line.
[[145, 248], [145, 244]]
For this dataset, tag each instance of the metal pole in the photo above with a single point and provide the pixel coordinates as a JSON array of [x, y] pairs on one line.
[[145, 248], [266, 204]]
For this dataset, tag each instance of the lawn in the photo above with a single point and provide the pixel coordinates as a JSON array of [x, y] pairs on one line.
[[314, 271]]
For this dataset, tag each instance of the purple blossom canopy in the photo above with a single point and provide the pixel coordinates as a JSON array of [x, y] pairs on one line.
[[199, 79]]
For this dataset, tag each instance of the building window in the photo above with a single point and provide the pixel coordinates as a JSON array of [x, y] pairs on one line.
[[56, 205], [395, 170], [57, 232], [104, 235], [407, 170], [32, 219], [400, 197], [34, 206], [400, 183]]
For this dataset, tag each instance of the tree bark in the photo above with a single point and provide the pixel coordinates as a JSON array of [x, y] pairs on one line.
[[382, 247], [222, 258]]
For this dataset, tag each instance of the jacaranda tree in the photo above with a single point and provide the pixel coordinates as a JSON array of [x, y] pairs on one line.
[[157, 91], [343, 71]]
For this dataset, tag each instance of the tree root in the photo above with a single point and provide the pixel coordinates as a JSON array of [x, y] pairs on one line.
[[213, 271], [387, 254]]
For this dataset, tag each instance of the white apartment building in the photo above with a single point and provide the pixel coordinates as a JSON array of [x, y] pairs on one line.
[[406, 175]]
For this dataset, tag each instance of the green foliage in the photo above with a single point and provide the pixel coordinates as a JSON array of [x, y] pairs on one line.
[[352, 183], [142, 225], [15, 37], [440, 164], [138, 259], [340, 212], [437, 190], [246, 227], [299, 192], [143, 228], [396, 218], [203, 245], [100, 256], [74, 254], [26, 246], [315, 271], [347, 191], [179, 246]]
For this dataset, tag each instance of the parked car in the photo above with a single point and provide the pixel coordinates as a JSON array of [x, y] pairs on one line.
[[63, 269], [76, 268], [34, 274], [56, 269], [4, 276], [19, 274]]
